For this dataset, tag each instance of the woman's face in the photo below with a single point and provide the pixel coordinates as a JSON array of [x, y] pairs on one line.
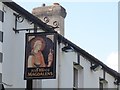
[[38, 45]]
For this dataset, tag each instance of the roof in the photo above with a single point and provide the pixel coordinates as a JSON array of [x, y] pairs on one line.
[[46, 28]]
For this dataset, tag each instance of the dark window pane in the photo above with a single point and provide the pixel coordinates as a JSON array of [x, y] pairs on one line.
[[1, 36], [0, 81], [101, 86], [1, 16], [1, 57], [75, 77], [0, 77]]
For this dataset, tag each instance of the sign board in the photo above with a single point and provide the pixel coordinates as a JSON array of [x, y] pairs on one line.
[[40, 56]]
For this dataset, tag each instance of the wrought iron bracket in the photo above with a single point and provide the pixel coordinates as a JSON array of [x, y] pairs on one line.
[[26, 29], [19, 19]]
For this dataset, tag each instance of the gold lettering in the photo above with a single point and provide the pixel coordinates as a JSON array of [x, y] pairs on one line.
[[29, 74], [40, 74]]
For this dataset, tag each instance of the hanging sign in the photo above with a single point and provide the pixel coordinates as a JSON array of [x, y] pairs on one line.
[[40, 56]]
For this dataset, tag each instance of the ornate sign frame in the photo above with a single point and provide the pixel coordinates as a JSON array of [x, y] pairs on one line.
[[40, 56]]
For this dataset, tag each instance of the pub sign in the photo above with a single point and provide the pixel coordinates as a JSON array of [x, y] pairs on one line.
[[40, 56]]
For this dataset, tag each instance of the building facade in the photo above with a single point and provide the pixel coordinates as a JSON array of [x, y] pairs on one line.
[[75, 68]]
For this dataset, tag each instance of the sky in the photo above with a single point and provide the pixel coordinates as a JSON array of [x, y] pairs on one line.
[[92, 25]]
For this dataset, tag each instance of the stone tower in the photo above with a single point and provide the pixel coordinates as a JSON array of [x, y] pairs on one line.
[[53, 15]]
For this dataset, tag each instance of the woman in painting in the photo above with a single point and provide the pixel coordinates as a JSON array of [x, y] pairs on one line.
[[36, 57]]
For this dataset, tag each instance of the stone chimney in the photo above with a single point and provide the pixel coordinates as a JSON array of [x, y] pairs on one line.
[[52, 15]]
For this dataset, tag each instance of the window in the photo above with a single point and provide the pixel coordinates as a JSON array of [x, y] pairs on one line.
[[1, 57], [101, 85], [0, 77], [1, 16], [1, 36], [75, 79]]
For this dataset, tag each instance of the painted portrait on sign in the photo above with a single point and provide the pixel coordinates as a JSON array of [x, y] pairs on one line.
[[36, 57], [40, 55]]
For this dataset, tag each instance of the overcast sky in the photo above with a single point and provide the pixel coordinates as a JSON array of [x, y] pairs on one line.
[[93, 26]]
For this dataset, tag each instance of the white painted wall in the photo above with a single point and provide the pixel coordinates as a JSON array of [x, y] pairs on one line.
[[13, 63], [13, 49], [1, 6], [91, 78], [89, 75], [110, 80], [66, 69]]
